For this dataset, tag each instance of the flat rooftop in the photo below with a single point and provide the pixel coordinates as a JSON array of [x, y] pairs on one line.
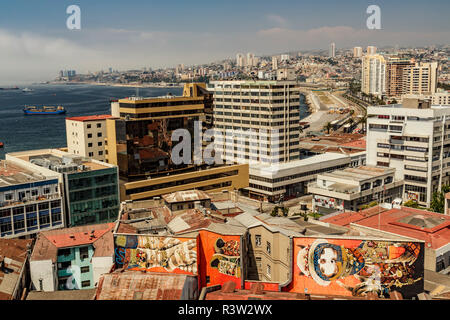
[[91, 118], [329, 156], [185, 196], [360, 173], [11, 174], [54, 157]]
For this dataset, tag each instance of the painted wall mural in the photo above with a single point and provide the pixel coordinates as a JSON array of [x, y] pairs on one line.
[[357, 267], [221, 259], [158, 254]]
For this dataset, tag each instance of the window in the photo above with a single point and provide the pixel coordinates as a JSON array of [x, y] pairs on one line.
[[99, 125], [89, 135], [88, 126], [258, 240], [8, 196], [85, 284], [99, 134], [84, 253], [84, 269], [91, 154], [100, 153], [100, 144], [90, 145], [64, 252], [269, 271], [268, 247]]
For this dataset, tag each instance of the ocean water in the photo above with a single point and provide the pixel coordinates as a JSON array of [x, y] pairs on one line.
[[21, 132]]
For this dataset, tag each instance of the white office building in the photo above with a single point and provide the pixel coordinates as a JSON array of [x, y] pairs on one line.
[[413, 138]]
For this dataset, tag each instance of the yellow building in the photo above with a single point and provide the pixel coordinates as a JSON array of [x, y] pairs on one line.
[[140, 143]]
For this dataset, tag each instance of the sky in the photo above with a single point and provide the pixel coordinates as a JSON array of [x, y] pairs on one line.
[[35, 42]]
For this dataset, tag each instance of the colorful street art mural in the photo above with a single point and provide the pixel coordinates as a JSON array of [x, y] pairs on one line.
[[157, 254], [221, 259], [357, 267]]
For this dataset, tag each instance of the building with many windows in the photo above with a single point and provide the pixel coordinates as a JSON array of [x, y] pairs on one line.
[[140, 143], [91, 188], [373, 74], [351, 188], [30, 201], [413, 138], [86, 136], [256, 121], [420, 78], [395, 75]]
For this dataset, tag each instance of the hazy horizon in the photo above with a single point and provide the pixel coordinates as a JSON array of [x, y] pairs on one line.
[[35, 42]]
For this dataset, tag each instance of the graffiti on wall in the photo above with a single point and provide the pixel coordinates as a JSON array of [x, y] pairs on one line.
[[226, 257], [158, 254], [357, 267]]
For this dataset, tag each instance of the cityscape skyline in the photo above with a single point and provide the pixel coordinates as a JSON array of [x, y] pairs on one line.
[[35, 42]]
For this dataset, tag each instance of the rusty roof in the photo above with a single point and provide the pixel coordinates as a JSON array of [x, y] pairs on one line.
[[136, 285], [185, 196], [13, 255], [99, 235]]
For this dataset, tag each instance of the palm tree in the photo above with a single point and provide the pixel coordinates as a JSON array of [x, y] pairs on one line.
[[328, 127]]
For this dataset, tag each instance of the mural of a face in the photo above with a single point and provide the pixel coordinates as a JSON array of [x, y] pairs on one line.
[[327, 262]]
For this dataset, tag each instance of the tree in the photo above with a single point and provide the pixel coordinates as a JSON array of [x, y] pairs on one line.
[[438, 200], [411, 203]]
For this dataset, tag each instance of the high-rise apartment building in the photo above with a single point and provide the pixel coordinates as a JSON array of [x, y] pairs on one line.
[[140, 143], [395, 74], [373, 75], [413, 138], [240, 60], [274, 63], [420, 78], [251, 62], [332, 50], [357, 52], [371, 50], [265, 107], [86, 136]]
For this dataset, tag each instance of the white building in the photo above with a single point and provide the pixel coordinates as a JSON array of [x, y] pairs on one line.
[[357, 52], [251, 61], [285, 57], [371, 50], [240, 60], [413, 138], [373, 75], [420, 79], [274, 63], [332, 50], [350, 188], [86, 136]]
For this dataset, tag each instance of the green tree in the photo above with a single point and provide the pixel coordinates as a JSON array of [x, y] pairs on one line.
[[438, 200], [411, 203]]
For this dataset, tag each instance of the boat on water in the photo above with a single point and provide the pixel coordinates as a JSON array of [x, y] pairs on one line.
[[44, 110], [13, 88], [27, 90]]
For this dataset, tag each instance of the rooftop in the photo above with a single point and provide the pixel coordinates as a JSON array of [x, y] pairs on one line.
[[13, 254], [59, 161], [99, 235], [85, 294], [135, 285], [185, 196], [91, 118], [12, 174], [430, 227], [360, 173]]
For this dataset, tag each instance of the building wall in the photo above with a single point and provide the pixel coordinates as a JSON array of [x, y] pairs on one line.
[[44, 270], [211, 180], [353, 267], [74, 271], [93, 196], [83, 138], [278, 260], [101, 265]]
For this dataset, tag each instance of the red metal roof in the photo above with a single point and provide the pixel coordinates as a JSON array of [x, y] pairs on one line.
[[395, 221], [136, 285], [91, 118]]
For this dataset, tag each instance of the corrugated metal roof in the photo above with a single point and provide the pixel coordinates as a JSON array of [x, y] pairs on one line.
[[135, 285]]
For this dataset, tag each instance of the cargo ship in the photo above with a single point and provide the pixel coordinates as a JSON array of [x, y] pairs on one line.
[[44, 110], [13, 88]]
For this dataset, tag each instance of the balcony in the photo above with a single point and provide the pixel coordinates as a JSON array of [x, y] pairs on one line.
[[30, 200]]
